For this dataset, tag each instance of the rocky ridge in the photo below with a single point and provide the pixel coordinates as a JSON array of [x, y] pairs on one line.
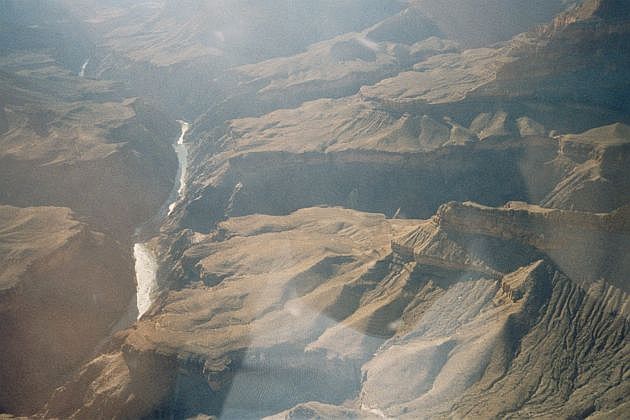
[[62, 288], [172, 51], [62, 135], [276, 303], [82, 164], [331, 290]]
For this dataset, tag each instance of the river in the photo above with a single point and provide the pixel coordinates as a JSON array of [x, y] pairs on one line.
[[83, 67], [146, 265]]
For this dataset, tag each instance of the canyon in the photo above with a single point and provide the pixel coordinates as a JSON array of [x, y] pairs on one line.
[[292, 210]]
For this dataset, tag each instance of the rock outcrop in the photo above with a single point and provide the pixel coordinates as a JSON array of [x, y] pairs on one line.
[[477, 23], [596, 174], [171, 51], [259, 296], [424, 296], [81, 144], [577, 61], [321, 301], [62, 288], [353, 152], [585, 246]]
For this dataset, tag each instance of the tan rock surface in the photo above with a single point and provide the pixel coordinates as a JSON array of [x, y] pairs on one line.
[[309, 298], [81, 144], [63, 286], [270, 304], [596, 178], [263, 293]]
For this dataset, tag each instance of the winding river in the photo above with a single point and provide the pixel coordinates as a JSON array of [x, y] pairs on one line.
[[146, 265]]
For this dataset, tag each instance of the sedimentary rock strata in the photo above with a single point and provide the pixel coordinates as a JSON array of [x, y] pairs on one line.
[[63, 287], [388, 210]]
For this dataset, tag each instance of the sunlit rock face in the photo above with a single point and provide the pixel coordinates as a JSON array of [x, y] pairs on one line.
[[351, 300], [596, 178], [383, 209]]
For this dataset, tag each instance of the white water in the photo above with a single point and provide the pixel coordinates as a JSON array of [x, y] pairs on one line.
[[182, 156], [146, 265], [146, 273], [83, 67]]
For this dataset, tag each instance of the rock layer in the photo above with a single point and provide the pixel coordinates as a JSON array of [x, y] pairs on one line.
[[268, 306], [81, 144], [62, 288], [468, 311]]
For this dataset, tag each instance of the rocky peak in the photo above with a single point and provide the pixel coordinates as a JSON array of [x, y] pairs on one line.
[[579, 242]]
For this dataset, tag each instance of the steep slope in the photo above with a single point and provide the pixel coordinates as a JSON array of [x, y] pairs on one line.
[[268, 306], [353, 152], [478, 360], [340, 66], [585, 246], [189, 48], [329, 69], [78, 143], [583, 59], [596, 175], [572, 67], [217, 330], [62, 287], [87, 146], [171, 51], [476, 23], [43, 27], [304, 301], [493, 96]]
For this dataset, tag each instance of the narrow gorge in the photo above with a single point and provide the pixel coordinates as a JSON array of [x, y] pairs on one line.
[[146, 264], [349, 209]]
